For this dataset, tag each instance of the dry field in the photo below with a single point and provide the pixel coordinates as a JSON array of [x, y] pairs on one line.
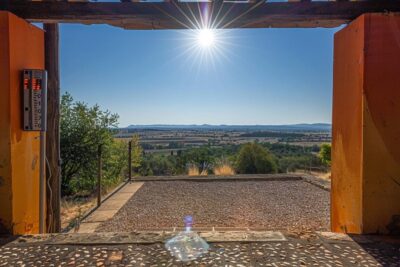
[[274, 205]]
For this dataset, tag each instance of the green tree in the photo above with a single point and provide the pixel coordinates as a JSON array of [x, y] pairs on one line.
[[82, 130], [137, 153], [254, 158], [115, 168], [325, 154]]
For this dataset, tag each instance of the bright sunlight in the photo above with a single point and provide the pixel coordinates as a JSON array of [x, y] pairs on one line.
[[206, 38]]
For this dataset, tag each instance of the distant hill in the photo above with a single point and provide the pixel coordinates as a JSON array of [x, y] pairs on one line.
[[313, 127]]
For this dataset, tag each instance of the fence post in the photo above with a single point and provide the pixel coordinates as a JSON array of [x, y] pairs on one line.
[[130, 160], [99, 174]]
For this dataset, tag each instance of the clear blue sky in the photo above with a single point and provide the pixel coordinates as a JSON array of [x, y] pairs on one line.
[[259, 76]]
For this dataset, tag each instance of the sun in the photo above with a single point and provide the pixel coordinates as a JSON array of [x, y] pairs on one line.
[[205, 46], [205, 38]]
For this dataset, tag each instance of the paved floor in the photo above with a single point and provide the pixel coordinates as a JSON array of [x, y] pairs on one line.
[[109, 208], [308, 250]]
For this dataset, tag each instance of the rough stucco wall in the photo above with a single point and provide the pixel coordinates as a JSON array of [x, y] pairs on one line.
[[25, 50]]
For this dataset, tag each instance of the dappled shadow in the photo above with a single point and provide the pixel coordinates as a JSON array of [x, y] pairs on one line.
[[5, 239], [385, 250]]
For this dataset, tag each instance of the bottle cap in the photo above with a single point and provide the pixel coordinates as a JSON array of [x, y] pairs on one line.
[[188, 220]]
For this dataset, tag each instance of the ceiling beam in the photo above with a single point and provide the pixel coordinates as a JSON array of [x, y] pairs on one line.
[[180, 15]]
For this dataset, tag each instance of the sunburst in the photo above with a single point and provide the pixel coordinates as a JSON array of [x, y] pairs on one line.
[[207, 41]]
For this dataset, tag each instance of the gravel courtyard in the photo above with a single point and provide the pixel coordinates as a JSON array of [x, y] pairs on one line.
[[273, 205]]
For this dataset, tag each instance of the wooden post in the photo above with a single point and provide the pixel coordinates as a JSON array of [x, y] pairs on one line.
[[130, 160], [99, 174], [53, 194]]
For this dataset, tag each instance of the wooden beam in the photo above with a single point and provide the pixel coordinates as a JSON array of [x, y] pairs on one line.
[[53, 127], [180, 15]]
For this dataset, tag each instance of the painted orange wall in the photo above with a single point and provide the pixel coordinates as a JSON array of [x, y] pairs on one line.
[[21, 47], [5, 149], [346, 187], [381, 183], [366, 125]]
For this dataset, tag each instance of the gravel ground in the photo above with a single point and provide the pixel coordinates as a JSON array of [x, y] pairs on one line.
[[272, 205]]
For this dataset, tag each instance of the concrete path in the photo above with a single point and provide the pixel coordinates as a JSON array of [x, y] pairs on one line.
[[109, 208]]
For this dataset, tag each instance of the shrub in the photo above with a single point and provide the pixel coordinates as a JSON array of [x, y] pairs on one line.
[[254, 158], [325, 154], [157, 165]]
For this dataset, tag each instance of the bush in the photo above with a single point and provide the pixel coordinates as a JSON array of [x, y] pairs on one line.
[[254, 158], [325, 154], [158, 165], [196, 160], [294, 163]]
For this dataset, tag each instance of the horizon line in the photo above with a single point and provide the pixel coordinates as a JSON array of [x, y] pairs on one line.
[[206, 124]]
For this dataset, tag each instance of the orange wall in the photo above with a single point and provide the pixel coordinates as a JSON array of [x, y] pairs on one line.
[[366, 125], [347, 129], [5, 149], [381, 199], [21, 47]]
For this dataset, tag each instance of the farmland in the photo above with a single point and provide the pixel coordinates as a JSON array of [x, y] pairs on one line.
[[169, 139]]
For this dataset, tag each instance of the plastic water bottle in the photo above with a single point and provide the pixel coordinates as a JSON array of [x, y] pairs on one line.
[[187, 245]]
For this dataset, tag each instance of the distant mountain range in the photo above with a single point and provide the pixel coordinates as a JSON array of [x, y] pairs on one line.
[[314, 127]]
